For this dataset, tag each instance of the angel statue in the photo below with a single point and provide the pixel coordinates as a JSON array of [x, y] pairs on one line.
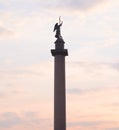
[[57, 29]]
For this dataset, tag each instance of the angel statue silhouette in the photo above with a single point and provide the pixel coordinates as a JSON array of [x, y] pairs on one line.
[[57, 28]]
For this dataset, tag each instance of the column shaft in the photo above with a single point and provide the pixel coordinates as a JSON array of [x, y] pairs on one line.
[[59, 93]]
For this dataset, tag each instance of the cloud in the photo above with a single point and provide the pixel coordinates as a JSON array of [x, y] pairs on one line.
[[116, 66], [36, 79], [113, 105], [82, 77], [50, 4], [91, 74], [9, 119], [78, 4], [28, 119], [6, 33], [88, 123], [80, 91], [2, 95], [114, 128]]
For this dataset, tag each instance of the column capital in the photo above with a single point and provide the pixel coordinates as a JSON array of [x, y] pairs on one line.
[[63, 52], [59, 48]]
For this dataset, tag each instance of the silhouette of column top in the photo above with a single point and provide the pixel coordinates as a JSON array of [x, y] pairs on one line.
[[59, 43], [59, 48]]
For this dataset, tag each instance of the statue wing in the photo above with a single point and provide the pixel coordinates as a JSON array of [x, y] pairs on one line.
[[55, 27]]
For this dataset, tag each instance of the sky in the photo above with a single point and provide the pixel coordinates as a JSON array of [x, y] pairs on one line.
[[90, 30]]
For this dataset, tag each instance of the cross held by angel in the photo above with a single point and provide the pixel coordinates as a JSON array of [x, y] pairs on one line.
[[57, 28]]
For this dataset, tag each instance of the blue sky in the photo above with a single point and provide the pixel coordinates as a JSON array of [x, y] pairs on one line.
[[90, 30]]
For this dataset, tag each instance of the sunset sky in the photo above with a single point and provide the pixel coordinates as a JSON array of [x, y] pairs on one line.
[[91, 34]]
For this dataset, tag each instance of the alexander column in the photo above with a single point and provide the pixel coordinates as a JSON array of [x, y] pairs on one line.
[[59, 54]]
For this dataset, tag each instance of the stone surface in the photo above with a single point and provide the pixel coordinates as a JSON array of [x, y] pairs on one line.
[[59, 54]]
